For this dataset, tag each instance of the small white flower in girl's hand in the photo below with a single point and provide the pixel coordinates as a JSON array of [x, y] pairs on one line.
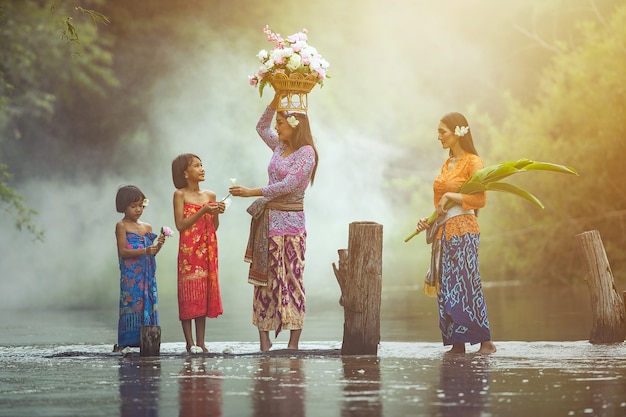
[[166, 231], [145, 202], [233, 181]]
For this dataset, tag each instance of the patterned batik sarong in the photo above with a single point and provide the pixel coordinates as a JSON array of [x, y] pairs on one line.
[[198, 284], [281, 304], [138, 292], [462, 308]]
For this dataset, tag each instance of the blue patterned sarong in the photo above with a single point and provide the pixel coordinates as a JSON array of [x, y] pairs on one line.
[[138, 292], [462, 308]]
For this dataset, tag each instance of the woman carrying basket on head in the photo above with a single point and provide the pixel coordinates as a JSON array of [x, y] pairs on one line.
[[277, 242]]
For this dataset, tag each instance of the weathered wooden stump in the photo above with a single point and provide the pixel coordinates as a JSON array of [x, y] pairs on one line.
[[150, 341], [360, 278], [606, 304]]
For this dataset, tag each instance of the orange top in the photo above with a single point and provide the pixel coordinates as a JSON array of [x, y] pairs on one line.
[[450, 181]]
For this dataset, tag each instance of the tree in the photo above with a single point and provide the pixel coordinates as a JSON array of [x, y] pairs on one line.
[[575, 119], [42, 52]]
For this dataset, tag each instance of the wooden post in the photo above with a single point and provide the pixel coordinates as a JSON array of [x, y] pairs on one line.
[[360, 279], [150, 341], [606, 304]]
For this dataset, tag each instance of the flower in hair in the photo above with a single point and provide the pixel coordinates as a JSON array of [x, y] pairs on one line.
[[293, 122], [145, 202], [461, 131]]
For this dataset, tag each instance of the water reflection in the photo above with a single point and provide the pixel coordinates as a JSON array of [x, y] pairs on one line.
[[279, 388], [463, 385], [199, 391], [362, 390], [139, 386], [604, 396]]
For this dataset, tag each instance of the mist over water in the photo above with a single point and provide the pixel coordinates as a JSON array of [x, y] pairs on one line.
[[76, 265]]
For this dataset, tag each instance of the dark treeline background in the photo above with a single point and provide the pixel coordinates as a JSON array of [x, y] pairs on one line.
[[537, 79]]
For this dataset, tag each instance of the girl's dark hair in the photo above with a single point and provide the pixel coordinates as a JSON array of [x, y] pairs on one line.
[[302, 136], [452, 120], [179, 165], [126, 195]]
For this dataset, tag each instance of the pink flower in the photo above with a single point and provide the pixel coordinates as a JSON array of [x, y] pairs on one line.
[[298, 46], [166, 231], [297, 37], [306, 58], [253, 80]]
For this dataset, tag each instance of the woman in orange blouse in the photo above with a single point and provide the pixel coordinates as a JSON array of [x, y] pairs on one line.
[[456, 280]]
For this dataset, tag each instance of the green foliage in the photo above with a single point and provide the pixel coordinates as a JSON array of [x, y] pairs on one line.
[[42, 60], [577, 116], [14, 204]]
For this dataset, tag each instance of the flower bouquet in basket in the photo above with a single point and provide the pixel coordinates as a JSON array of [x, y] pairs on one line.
[[291, 66]]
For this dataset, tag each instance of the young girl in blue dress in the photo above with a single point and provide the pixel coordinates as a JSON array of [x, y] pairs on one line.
[[136, 249]]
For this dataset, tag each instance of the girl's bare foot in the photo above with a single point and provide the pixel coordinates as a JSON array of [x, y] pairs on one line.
[[264, 338], [457, 348], [204, 348], [487, 347], [189, 348], [294, 339]]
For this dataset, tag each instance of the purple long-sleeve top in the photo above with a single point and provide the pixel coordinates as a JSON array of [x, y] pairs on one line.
[[288, 175]]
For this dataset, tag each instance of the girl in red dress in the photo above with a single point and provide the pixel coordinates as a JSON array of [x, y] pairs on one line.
[[196, 214]]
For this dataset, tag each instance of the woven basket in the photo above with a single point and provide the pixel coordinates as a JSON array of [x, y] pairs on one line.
[[296, 82]]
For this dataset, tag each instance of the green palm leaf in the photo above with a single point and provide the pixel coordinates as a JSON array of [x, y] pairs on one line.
[[492, 173], [473, 188], [513, 189], [547, 166], [489, 179]]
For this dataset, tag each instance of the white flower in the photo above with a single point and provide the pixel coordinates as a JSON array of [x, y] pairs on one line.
[[196, 349], [267, 66], [461, 131], [310, 50], [145, 202], [315, 63], [262, 55], [233, 181], [293, 122], [294, 62]]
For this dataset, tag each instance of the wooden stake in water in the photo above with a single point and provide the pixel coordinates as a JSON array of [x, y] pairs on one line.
[[606, 304], [150, 341], [360, 279]]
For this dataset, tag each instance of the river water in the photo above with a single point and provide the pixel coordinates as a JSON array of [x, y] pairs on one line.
[[61, 364]]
